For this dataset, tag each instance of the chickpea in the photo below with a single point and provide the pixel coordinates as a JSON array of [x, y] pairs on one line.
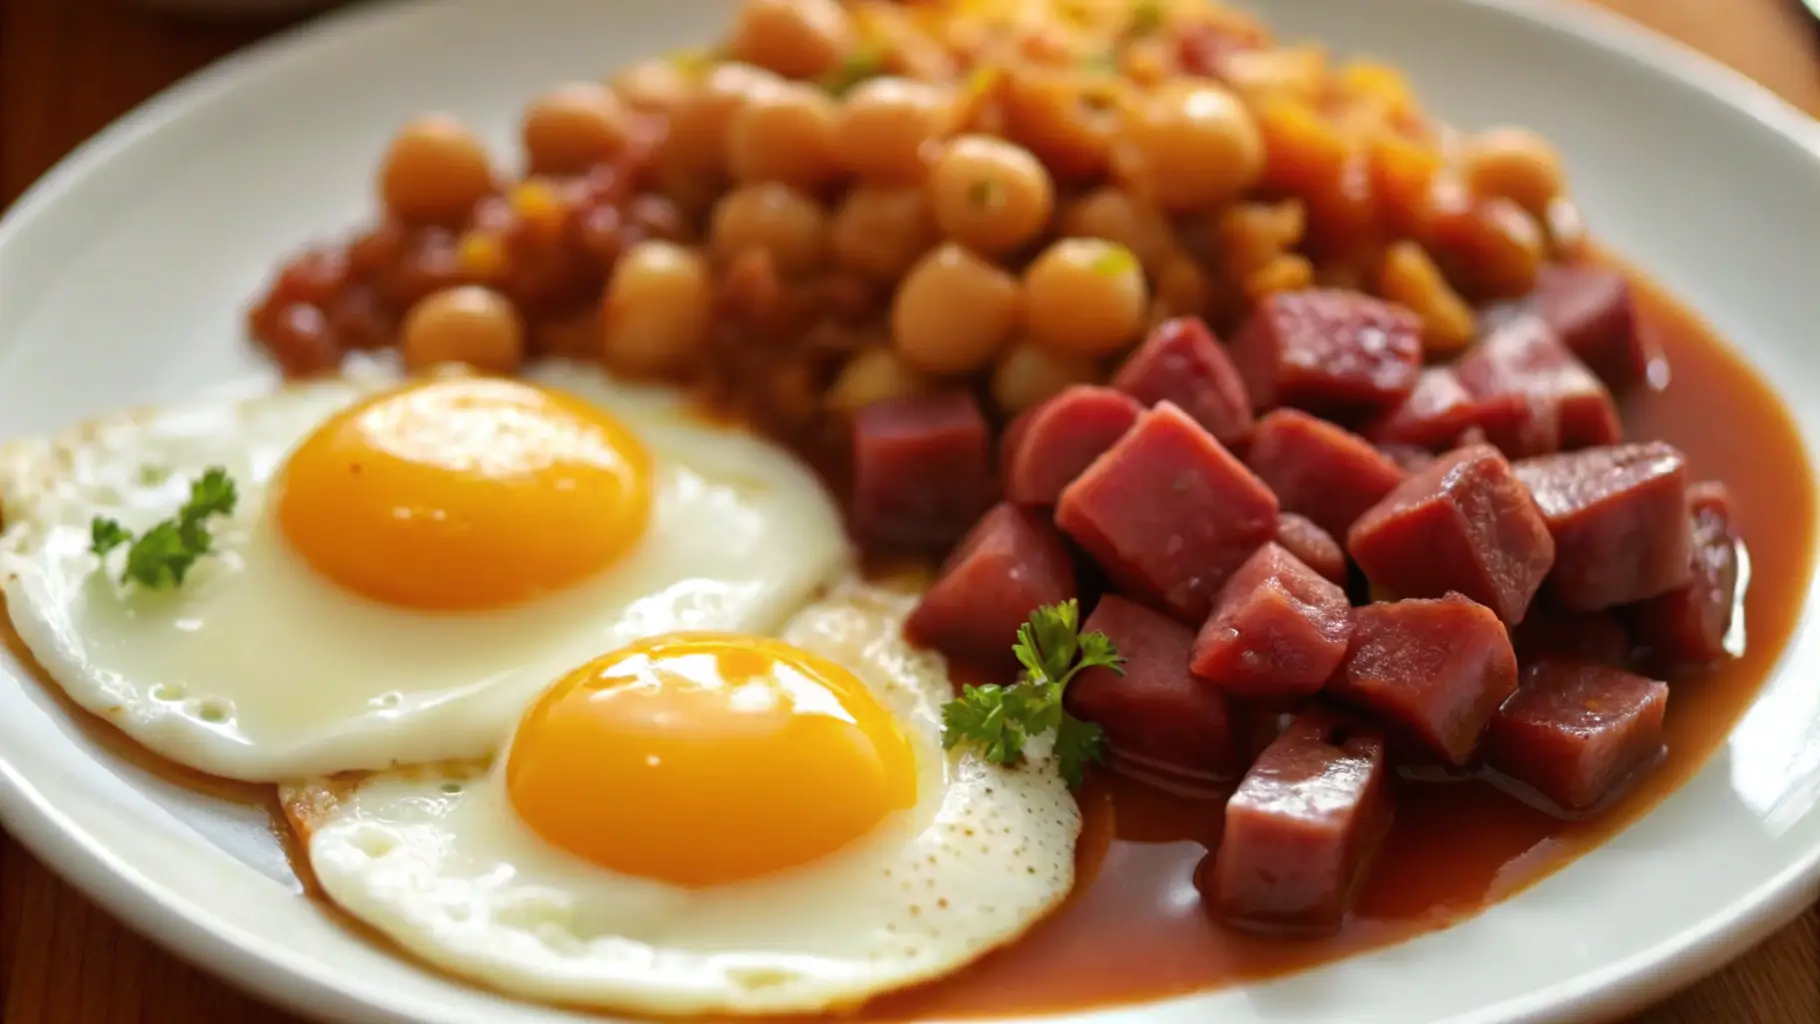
[[656, 84], [466, 324], [1028, 374], [1514, 164], [881, 231], [873, 375], [1113, 214], [990, 195], [795, 38], [1195, 146], [574, 127], [435, 171], [784, 134], [656, 311], [885, 126], [697, 142], [776, 218], [1086, 296], [954, 311]]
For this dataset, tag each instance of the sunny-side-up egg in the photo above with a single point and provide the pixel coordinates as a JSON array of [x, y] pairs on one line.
[[408, 565], [711, 823]]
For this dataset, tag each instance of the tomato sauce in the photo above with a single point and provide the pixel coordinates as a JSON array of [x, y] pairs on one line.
[[1135, 927]]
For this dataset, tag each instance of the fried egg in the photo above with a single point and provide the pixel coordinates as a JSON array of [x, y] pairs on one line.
[[410, 562], [711, 823]]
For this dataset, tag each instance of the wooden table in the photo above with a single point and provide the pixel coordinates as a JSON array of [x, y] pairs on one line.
[[68, 67]]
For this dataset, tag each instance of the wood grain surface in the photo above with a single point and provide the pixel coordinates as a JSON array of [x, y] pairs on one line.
[[68, 67]]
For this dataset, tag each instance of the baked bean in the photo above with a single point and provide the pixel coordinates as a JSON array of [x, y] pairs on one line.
[[873, 375], [795, 38], [954, 311], [574, 127], [1514, 164], [1181, 290], [1028, 373], [1193, 145], [784, 134], [657, 310], [468, 324], [885, 126], [1067, 118], [697, 141], [1085, 296], [434, 171], [990, 195], [1488, 248], [881, 231], [658, 84], [1285, 272], [1115, 215], [789, 225]]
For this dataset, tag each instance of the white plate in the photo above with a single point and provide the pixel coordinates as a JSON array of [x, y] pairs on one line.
[[124, 273]]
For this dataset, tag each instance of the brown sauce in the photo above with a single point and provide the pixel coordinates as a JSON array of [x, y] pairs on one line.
[[1134, 928]]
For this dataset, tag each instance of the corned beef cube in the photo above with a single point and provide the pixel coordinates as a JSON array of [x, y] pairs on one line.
[[1575, 732], [1319, 470], [1303, 827], [1168, 513], [1059, 438], [922, 470], [1156, 714], [1440, 410], [1690, 622], [1012, 563], [1278, 631], [1333, 352], [1594, 312], [1465, 523], [1438, 669], [1619, 519], [1565, 406], [1313, 545], [1181, 362]]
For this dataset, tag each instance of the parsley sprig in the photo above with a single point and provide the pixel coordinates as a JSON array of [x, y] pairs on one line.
[[162, 556], [1000, 720]]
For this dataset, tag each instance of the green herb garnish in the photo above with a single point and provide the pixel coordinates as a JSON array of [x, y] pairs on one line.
[[1000, 720], [863, 63], [162, 556]]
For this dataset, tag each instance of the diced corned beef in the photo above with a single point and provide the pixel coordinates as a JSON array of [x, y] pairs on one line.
[[1320, 470], [1438, 411], [1619, 519], [1465, 523], [1156, 713], [1408, 457], [922, 470], [1574, 732], [1012, 563], [1168, 513], [1181, 362], [1594, 312], [1469, 437], [1061, 437], [1278, 631], [1303, 827], [1689, 623], [1564, 406], [1336, 352], [1313, 545], [1549, 631], [1438, 669]]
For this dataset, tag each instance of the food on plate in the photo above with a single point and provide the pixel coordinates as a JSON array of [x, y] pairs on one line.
[[1294, 480], [362, 572], [711, 822]]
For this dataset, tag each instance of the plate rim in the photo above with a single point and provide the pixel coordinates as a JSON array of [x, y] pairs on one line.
[[245, 961]]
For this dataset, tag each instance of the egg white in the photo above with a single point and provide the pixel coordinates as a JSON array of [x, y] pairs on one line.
[[259, 669], [436, 859]]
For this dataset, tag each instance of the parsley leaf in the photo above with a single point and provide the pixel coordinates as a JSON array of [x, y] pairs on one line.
[[1000, 720], [163, 555]]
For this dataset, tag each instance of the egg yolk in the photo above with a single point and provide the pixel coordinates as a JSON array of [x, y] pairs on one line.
[[465, 493], [701, 759]]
